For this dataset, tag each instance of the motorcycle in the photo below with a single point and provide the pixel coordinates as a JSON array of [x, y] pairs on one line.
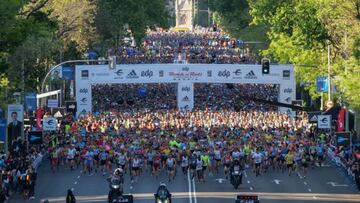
[[116, 191], [162, 195], [236, 176]]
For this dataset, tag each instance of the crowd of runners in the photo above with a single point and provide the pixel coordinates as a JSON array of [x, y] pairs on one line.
[[202, 45], [205, 140]]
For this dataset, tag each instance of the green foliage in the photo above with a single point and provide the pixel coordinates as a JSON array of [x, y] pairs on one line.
[[113, 15], [300, 32], [234, 17]]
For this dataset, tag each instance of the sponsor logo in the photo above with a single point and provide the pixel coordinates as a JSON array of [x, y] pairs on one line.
[[186, 98], [286, 74], [288, 99], [209, 73], [84, 111], [132, 75], [50, 122], [84, 91], [224, 73], [251, 75], [161, 73], [71, 106], [119, 72], [185, 68], [84, 100], [85, 74], [185, 89], [147, 73], [238, 72], [185, 75], [288, 90], [100, 74]]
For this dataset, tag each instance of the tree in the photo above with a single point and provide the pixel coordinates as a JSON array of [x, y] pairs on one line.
[[234, 17], [113, 15], [300, 32]]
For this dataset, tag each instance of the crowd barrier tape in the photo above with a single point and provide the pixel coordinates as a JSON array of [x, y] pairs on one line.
[[37, 162], [337, 160]]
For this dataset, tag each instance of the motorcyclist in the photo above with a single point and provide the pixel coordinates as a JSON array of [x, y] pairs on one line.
[[162, 191], [117, 175]]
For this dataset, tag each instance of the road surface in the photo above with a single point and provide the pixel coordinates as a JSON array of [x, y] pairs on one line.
[[323, 184]]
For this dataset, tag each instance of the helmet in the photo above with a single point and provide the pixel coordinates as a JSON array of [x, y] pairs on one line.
[[118, 172]]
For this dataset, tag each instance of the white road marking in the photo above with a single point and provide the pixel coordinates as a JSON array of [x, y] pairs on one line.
[[309, 190], [73, 189], [75, 182], [277, 181], [248, 181], [314, 197], [334, 184], [78, 177], [305, 183], [245, 174], [189, 185], [194, 190], [251, 188]]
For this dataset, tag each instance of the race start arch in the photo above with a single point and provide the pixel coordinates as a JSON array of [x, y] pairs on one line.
[[185, 75]]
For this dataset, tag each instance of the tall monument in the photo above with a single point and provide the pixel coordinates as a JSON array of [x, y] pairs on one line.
[[184, 13]]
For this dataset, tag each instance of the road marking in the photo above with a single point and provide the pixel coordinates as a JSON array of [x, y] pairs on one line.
[[194, 190], [220, 180], [277, 181], [309, 190], [75, 183], [251, 188], [72, 189], [334, 184], [305, 183], [248, 181], [189, 185], [78, 177], [245, 174], [314, 197]]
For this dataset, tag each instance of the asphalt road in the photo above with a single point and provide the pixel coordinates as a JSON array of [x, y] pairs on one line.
[[324, 184]]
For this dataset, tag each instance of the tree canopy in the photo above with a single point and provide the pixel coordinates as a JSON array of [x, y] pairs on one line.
[[37, 34], [299, 32]]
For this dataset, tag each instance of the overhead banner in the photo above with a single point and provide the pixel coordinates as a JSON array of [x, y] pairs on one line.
[[49, 124], [88, 75]]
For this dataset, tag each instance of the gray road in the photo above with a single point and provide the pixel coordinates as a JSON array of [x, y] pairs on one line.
[[321, 185]]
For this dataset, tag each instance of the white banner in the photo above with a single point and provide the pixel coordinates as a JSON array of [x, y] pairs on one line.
[[185, 95], [49, 124], [324, 121], [52, 103], [87, 75]]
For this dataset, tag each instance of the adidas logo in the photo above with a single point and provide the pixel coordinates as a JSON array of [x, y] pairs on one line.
[[251, 75], [186, 98], [132, 74]]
